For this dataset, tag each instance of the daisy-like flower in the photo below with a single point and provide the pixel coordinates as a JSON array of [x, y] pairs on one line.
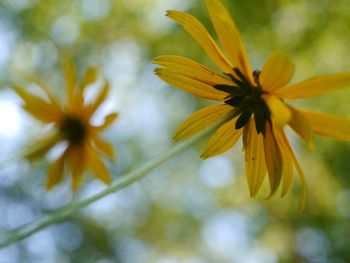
[[253, 103], [71, 125]]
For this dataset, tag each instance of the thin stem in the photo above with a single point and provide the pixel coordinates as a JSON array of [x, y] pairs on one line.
[[64, 213]]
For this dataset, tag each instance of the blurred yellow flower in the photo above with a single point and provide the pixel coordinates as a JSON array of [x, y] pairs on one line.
[[253, 102], [71, 125]]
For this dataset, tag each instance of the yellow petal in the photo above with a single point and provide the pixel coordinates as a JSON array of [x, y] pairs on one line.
[[76, 103], [287, 175], [201, 35], [105, 147], [190, 85], [69, 77], [101, 97], [40, 147], [222, 140], [229, 36], [289, 151], [273, 159], [191, 69], [245, 136], [280, 113], [90, 77], [287, 170], [200, 120], [46, 89], [300, 125], [76, 161], [254, 159], [37, 107], [97, 167], [55, 172], [315, 87], [75, 98], [328, 125], [276, 73], [42, 112], [109, 119]]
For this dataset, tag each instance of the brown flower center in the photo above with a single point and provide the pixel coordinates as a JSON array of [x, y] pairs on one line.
[[247, 100], [73, 129]]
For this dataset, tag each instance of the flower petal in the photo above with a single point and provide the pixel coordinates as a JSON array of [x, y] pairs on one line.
[[90, 77], [200, 120], [289, 151], [301, 126], [55, 172], [229, 36], [40, 109], [201, 35], [245, 136], [222, 140], [75, 97], [280, 113], [70, 77], [328, 125], [276, 73], [101, 97], [105, 147], [190, 85], [191, 69], [273, 159], [109, 119], [76, 103], [97, 167], [254, 159], [287, 175], [40, 147], [46, 89], [287, 170], [314, 87], [76, 160]]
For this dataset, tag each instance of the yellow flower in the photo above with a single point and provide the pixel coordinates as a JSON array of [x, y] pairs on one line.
[[253, 102], [71, 125]]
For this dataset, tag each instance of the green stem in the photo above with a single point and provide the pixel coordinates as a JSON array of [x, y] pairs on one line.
[[64, 213]]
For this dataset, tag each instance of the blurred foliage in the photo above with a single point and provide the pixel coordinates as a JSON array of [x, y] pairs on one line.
[[187, 211]]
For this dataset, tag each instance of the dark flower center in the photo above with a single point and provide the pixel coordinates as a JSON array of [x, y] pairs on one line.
[[73, 130], [246, 99]]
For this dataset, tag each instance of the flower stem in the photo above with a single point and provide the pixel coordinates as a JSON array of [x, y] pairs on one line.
[[64, 213]]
